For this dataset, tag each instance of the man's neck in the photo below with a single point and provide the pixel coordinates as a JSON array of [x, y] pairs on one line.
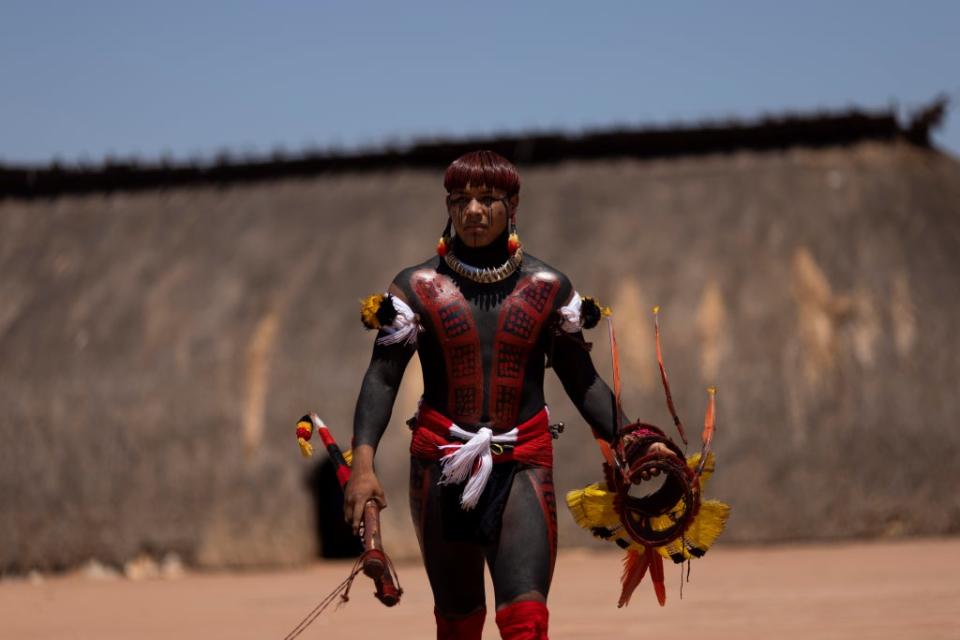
[[491, 255]]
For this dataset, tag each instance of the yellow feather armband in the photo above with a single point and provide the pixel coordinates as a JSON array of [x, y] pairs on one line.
[[392, 317]]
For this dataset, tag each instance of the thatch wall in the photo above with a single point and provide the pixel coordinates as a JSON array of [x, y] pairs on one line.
[[157, 347]]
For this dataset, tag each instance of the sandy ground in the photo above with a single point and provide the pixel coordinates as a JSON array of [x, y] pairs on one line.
[[907, 589]]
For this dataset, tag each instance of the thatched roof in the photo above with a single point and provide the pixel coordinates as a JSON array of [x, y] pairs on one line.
[[811, 130]]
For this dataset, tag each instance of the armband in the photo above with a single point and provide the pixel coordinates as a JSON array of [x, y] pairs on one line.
[[392, 317], [581, 313]]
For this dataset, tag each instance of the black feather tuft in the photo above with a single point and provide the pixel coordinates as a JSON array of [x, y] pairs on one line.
[[386, 313], [590, 313]]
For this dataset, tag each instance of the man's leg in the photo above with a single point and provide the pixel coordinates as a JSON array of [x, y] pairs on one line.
[[455, 569], [521, 565]]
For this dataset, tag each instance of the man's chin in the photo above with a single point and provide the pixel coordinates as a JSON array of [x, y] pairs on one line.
[[476, 241]]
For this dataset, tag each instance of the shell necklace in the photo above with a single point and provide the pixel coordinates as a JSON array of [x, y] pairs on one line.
[[488, 274]]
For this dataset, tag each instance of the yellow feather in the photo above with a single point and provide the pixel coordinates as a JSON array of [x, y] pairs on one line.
[[368, 311], [702, 532], [708, 525], [348, 456], [708, 469], [667, 520], [592, 507], [306, 449]]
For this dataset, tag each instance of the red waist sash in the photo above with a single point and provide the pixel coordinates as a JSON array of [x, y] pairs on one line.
[[533, 445]]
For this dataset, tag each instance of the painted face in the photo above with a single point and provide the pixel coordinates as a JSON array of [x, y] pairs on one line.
[[479, 214]]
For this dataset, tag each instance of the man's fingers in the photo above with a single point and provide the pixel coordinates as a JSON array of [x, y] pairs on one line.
[[357, 518], [650, 473]]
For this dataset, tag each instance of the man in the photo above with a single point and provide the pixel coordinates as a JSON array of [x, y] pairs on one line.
[[485, 318]]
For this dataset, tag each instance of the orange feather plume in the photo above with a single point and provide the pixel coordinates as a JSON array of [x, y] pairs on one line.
[[656, 574], [634, 568]]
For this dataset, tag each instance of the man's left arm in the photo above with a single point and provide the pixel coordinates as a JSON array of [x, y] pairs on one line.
[[586, 389], [588, 392]]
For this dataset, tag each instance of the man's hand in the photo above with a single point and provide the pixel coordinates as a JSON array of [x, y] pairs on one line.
[[661, 450], [362, 486]]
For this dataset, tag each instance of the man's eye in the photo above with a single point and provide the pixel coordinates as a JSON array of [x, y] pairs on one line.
[[461, 202]]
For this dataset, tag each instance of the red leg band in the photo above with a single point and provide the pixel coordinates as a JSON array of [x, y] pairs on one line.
[[469, 628], [524, 620]]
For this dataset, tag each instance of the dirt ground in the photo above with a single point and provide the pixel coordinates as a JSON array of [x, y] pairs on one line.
[[903, 589]]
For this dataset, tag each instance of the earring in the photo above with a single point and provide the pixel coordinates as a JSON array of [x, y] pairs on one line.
[[513, 241], [443, 245]]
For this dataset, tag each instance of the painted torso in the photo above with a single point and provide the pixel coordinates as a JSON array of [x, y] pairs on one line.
[[482, 352]]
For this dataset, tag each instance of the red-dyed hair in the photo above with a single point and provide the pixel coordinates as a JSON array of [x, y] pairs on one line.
[[482, 168]]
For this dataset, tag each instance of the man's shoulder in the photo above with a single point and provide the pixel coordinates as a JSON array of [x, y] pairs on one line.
[[535, 267], [406, 276]]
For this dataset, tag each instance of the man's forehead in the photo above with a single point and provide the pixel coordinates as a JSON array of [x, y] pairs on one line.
[[480, 190]]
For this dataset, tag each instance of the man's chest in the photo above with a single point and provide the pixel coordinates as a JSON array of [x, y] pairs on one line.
[[457, 317], [486, 342]]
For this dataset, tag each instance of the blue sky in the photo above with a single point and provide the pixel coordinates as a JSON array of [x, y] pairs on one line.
[[86, 80]]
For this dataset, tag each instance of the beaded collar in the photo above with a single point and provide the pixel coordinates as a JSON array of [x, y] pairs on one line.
[[485, 275]]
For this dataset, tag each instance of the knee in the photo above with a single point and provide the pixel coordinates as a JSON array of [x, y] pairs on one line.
[[460, 626], [528, 596], [456, 613]]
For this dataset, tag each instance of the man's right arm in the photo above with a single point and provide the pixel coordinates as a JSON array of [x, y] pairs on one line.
[[374, 407]]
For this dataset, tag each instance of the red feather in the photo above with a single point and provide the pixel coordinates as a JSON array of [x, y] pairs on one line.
[[663, 376], [656, 574], [615, 359], [710, 419], [634, 568], [709, 425]]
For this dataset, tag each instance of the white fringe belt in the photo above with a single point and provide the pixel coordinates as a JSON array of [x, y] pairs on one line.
[[463, 462]]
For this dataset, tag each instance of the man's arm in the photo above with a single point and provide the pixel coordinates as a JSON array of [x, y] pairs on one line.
[[589, 393], [374, 407]]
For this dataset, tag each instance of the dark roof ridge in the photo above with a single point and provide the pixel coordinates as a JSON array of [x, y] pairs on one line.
[[816, 129]]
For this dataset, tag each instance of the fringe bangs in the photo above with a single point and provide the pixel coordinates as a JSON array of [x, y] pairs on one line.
[[482, 168]]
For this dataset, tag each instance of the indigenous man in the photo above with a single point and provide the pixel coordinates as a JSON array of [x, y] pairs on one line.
[[486, 318]]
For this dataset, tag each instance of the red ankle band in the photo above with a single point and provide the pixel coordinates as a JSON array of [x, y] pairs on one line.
[[469, 628], [525, 620]]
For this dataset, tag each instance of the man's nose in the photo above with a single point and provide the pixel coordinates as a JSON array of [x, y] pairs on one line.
[[474, 209]]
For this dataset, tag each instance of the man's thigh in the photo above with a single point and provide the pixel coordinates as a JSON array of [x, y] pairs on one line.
[[521, 564], [455, 569]]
